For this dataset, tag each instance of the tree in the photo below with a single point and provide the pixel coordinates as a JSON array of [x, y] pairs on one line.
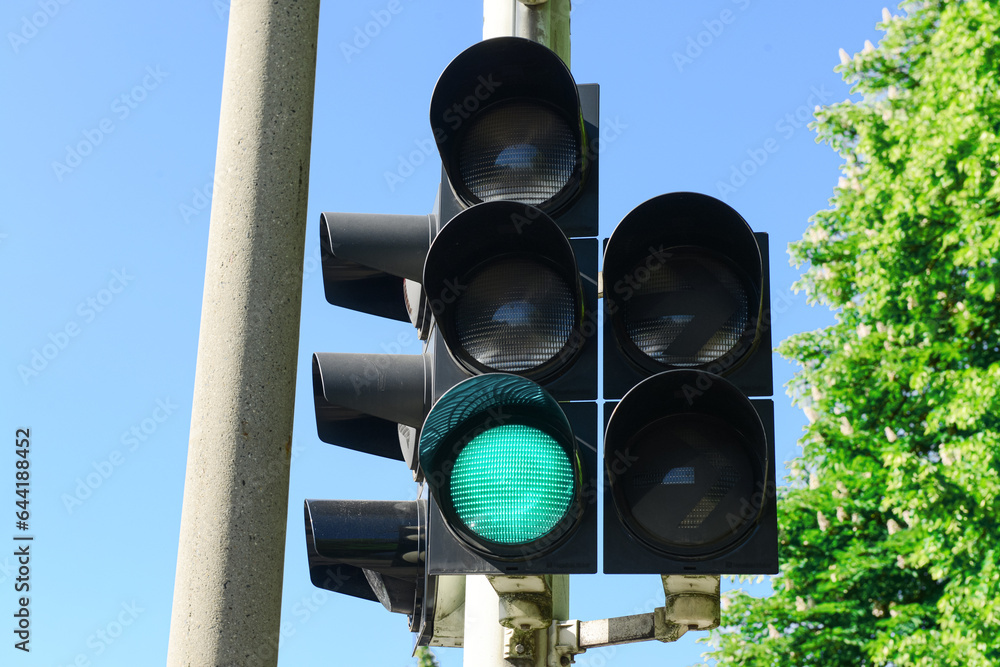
[[424, 657], [890, 523]]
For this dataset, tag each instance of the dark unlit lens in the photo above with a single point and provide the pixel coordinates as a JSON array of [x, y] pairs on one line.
[[687, 308], [692, 482], [514, 315], [517, 150]]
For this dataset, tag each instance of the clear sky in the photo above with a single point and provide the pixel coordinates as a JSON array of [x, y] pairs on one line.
[[110, 119]]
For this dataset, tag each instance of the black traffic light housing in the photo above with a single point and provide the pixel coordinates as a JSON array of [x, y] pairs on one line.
[[517, 138], [686, 286], [510, 293], [689, 479], [688, 456], [492, 282], [546, 467], [511, 124]]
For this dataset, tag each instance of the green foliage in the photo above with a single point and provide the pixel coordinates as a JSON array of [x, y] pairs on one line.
[[424, 657], [889, 526]]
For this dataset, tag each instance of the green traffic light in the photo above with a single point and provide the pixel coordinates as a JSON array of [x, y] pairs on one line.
[[512, 484], [500, 458]]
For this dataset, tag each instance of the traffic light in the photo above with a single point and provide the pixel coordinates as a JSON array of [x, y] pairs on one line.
[[372, 550], [511, 490], [512, 291], [688, 455], [496, 418], [511, 124], [368, 549]]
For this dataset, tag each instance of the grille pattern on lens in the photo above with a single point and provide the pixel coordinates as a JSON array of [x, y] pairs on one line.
[[689, 308], [675, 475], [728, 478], [514, 315], [517, 150], [691, 484], [512, 484]]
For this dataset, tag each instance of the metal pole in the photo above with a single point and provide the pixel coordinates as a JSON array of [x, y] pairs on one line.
[[227, 595], [545, 22], [483, 636]]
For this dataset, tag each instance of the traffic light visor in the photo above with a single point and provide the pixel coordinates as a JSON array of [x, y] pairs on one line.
[[683, 285], [507, 120], [503, 284], [686, 458]]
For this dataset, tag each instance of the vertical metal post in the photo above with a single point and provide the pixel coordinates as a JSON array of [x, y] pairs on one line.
[[546, 22], [483, 636], [227, 596]]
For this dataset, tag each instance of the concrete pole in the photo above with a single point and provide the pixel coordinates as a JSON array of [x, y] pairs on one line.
[[545, 22], [227, 595]]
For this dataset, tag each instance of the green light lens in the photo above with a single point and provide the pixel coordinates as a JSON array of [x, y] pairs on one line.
[[512, 484]]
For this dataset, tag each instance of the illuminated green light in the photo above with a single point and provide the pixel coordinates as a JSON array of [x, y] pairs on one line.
[[512, 484]]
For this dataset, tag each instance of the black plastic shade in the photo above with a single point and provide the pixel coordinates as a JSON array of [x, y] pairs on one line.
[[503, 284], [506, 116], [361, 399], [501, 461], [683, 281], [367, 548], [686, 454]]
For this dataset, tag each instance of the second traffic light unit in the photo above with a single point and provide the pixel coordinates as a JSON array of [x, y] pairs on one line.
[[689, 456]]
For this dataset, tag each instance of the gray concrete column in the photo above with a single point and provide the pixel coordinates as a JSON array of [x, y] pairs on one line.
[[227, 595]]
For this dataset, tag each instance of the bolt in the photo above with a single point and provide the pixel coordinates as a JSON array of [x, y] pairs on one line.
[[564, 661], [519, 649]]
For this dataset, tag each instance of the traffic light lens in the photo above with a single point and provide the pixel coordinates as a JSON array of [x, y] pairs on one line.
[[689, 308], [692, 482], [517, 150], [514, 315], [512, 484]]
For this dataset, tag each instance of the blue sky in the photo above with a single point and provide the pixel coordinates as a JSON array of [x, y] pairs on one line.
[[111, 120]]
